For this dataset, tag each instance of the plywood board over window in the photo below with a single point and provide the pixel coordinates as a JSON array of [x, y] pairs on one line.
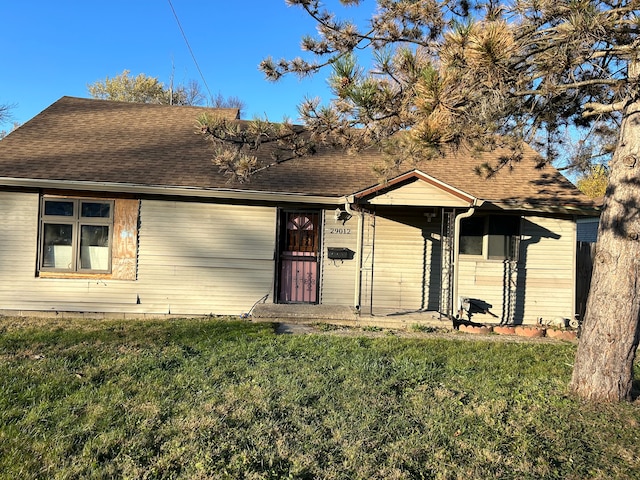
[[125, 240]]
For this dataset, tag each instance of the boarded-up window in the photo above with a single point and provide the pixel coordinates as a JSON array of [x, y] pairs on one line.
[[88, 237], [125, 240]]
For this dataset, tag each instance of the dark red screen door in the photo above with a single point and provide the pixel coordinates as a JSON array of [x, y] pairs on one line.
[[299, 257]]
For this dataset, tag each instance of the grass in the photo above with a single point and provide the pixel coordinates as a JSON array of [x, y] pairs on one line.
[[202, 399], [423, 328]]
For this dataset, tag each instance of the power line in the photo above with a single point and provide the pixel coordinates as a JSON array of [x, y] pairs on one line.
[[189, 48]]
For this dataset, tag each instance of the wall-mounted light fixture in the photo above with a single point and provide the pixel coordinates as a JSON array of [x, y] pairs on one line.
[[431, 213], [341, 215]]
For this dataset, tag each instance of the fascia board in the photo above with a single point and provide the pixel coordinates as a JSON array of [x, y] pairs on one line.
[[222, 193]]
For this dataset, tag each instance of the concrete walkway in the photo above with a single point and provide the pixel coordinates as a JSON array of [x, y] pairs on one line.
[[347, 316], [343, 321]]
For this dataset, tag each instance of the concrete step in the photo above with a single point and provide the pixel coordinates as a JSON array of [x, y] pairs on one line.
[[265, 311]]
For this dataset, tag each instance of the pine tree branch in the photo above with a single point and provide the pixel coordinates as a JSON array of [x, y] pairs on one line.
[[571, 86], [593, 109]]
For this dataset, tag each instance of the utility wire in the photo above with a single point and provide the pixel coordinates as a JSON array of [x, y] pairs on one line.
[[189, 47]]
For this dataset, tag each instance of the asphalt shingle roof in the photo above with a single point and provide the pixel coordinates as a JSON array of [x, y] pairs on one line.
[[90, 140]]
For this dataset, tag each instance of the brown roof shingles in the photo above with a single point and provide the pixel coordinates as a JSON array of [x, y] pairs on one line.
[[114, 142]]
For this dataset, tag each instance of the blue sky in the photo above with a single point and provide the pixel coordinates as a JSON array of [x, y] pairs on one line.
[[52, 49]]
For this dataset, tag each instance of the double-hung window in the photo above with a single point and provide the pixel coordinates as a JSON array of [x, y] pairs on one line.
[[75, 235], [494, 237]]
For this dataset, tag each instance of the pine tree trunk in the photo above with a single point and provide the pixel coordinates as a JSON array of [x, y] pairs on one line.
[[603, 369]]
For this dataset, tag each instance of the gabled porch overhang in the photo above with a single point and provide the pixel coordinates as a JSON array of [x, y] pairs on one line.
[[414, 189]]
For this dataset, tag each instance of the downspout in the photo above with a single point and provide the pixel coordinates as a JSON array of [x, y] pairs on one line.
[[349, 210], [456, 249], [358, 281]]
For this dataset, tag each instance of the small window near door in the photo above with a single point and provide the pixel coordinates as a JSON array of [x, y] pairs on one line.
[[75, 235], [493, 237]]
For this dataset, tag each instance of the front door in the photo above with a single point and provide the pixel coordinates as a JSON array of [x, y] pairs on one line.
[[299, 243]]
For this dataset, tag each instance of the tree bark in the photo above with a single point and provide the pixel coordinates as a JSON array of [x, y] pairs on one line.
[[603, 369]]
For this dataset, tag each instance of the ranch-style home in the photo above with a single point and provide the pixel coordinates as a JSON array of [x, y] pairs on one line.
[[117, 208]]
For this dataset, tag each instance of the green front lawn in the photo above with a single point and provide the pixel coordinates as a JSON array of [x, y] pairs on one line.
[[227, 399]]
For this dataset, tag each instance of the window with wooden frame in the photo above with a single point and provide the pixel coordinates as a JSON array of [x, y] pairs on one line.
[[494, 237], [88, 236]]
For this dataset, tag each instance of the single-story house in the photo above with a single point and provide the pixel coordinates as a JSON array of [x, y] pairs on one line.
[[117, 208]]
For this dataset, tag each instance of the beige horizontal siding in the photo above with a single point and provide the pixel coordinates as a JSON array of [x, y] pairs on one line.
[[18, 234], [203, 258], [420, 194], [406, 263], [482, 280], [193, 263], [339, 276], [550, 274]]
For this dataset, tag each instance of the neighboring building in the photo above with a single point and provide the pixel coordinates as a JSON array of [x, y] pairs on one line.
[[117, 208], [588, 226], [587, 229]]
